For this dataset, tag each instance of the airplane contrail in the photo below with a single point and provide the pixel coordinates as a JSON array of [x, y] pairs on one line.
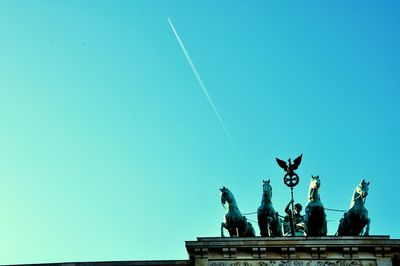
[[203, 87]]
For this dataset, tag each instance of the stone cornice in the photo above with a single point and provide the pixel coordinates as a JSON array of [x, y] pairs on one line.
[[294, 248]]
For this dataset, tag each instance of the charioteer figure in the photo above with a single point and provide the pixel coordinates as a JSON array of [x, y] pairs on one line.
[[294, 217]]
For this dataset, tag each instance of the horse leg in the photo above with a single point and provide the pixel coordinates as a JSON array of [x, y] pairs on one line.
[[274, 228], [277, 227], [250, 230], [306, 219], [307, 233], [343, 226], [270, 223], [232, 231], [262, 225], [263, 232], [341, 229], [223, 225], [366, 232], [324, 230]]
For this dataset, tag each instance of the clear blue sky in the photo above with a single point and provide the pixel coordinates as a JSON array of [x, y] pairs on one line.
[[109, 149]]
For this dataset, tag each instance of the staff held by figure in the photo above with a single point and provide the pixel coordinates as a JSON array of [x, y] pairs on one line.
[[291, 179]]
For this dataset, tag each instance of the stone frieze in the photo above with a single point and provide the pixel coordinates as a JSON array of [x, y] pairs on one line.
[[294, 263]]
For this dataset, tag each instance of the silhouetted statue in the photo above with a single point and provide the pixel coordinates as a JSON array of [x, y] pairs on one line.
[[235, 222], [315, 218], [354, 221], [268, 219]]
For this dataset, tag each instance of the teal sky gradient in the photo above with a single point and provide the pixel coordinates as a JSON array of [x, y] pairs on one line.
[[109, 149]]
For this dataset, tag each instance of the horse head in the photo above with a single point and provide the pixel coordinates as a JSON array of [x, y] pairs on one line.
[[224, 193], [315, 182], [362, 189], [313, 192], [267, 189], [226, 196]]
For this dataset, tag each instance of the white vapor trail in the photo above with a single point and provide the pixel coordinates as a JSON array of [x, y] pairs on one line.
[[203, 87]]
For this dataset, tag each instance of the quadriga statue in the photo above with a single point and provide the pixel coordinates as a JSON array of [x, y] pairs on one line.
[[235, 222], [356, 218], [315, 218], [268, 219]]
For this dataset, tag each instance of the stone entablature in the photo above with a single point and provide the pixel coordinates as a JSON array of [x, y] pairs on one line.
[[295, 263], [295, 251], [277, 251], [116, 263]]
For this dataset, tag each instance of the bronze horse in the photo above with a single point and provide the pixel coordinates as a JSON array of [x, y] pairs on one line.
[[315, 217], [356, 218], [268, 219], [236, 224]]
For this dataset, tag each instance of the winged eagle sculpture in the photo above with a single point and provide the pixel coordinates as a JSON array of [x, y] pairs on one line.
[[289, 168]]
